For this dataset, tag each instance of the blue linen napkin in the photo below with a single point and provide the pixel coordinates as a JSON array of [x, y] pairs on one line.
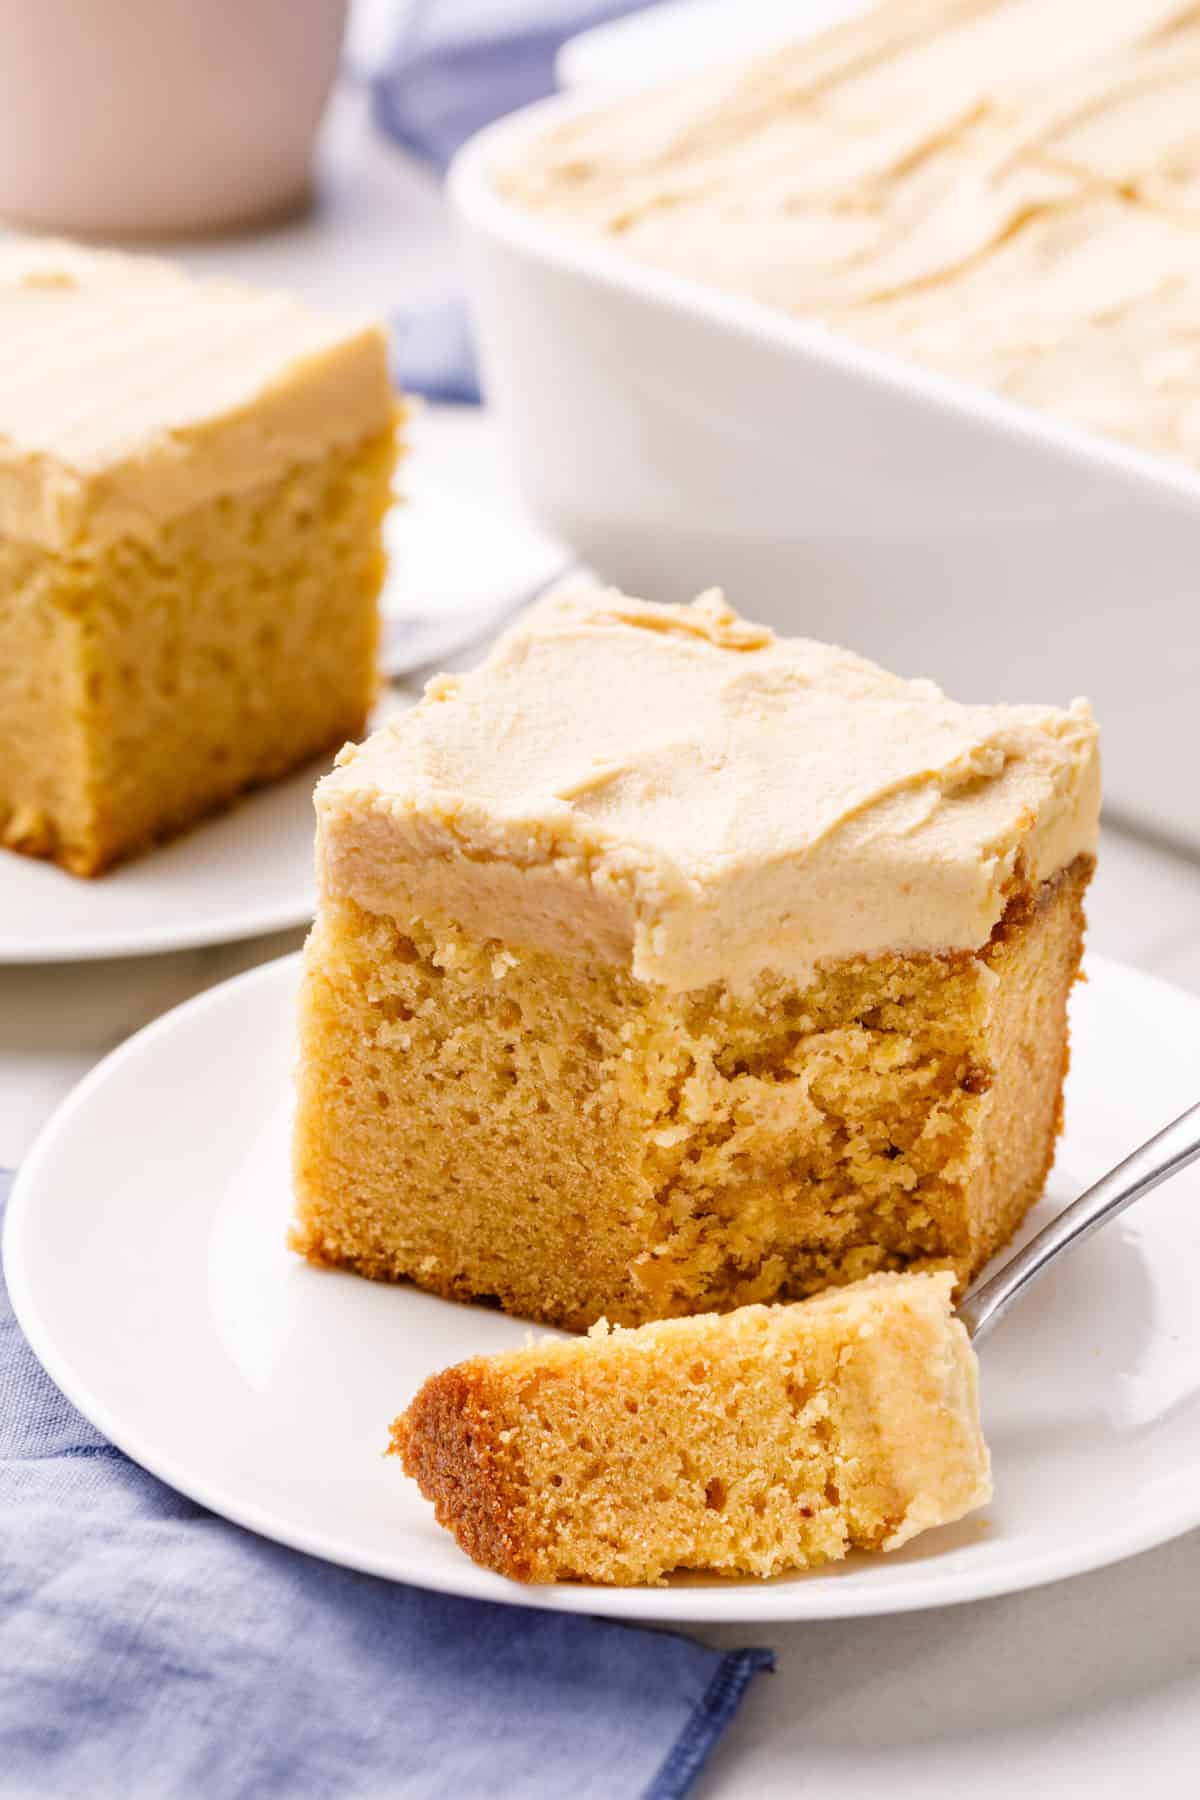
[[455, 66], [150, 1650]]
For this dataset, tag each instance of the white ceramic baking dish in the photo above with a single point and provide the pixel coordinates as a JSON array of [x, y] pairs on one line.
[[680, 438]]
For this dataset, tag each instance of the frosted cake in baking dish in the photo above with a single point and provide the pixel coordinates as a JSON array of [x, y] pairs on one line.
[[1006, 190]]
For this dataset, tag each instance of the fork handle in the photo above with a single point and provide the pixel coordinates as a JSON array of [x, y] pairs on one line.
[[1158, 1159]]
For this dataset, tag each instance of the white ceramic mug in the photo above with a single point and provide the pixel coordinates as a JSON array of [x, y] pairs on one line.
[[160, 117]]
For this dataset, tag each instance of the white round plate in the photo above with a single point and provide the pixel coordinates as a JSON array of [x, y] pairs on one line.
[[145, 1254]]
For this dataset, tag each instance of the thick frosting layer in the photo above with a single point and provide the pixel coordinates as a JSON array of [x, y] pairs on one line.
[[673, 787], [130, 392], [1006, 189]]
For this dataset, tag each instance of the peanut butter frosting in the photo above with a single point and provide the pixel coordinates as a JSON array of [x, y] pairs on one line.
[[130, 392], [1006, 190], [674, 788]]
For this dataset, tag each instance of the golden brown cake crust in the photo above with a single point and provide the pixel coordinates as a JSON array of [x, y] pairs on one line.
[[448, 1441]]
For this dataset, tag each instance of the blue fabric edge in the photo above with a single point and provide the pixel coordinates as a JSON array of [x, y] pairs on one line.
[[709, 1717], [387, 118], [695, 1743]]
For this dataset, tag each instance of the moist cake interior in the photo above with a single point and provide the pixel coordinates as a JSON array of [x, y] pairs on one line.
[[147, 686], [498, 1123]]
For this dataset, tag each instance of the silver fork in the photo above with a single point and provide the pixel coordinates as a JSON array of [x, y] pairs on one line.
[[1156, 1161]]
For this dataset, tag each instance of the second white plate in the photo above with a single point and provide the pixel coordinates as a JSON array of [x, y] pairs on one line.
[[145, 1253]]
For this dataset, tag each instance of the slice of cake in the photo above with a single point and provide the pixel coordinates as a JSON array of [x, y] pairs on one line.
[[193, 478], [749, 1443], [662, 965]]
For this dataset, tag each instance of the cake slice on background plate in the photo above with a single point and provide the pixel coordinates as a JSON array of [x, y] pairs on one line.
[[662, 965], [755, 1442], [193, 478]]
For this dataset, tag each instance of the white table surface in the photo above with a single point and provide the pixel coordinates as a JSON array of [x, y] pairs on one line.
[[1090, 1687]]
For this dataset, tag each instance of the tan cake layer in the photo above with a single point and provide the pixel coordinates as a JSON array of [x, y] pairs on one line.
[[143, 689], [193, 479], [766, 1440], [1008, 190], [678, 790], [548, 1132]]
